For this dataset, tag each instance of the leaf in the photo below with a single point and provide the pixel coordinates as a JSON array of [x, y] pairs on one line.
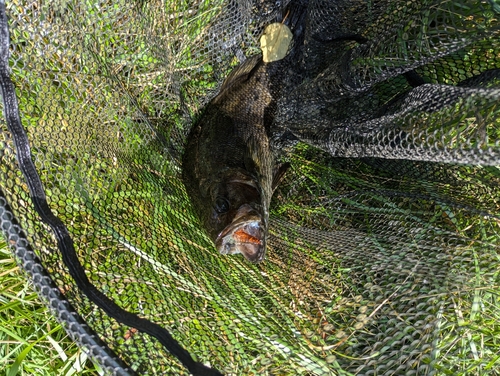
[[275, 42]]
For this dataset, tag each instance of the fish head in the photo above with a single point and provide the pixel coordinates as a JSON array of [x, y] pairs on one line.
[[238, 222], [246, 234]]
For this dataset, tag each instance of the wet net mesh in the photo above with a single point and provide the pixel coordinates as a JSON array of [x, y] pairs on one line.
[[383, 252]]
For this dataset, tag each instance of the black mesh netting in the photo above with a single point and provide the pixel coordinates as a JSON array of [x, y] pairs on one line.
[[383, 252]]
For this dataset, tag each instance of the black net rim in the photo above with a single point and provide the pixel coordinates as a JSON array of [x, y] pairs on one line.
[[48, 292]]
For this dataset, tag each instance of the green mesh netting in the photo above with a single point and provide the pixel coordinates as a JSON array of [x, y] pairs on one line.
[[383, 252]]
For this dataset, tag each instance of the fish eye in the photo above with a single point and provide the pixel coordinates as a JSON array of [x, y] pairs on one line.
[[221, 205]]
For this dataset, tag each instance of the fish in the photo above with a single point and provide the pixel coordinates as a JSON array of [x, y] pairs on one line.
[[229, 168]]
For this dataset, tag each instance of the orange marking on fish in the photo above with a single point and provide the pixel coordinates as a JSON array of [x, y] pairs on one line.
[[243, 237]]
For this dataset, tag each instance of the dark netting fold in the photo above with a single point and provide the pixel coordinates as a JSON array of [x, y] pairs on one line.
[[383, 250]]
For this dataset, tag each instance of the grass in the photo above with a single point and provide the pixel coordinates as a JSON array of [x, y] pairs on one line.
[[32, 342]]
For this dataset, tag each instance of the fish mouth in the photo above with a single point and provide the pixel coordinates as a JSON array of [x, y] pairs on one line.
[[245, 235]]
